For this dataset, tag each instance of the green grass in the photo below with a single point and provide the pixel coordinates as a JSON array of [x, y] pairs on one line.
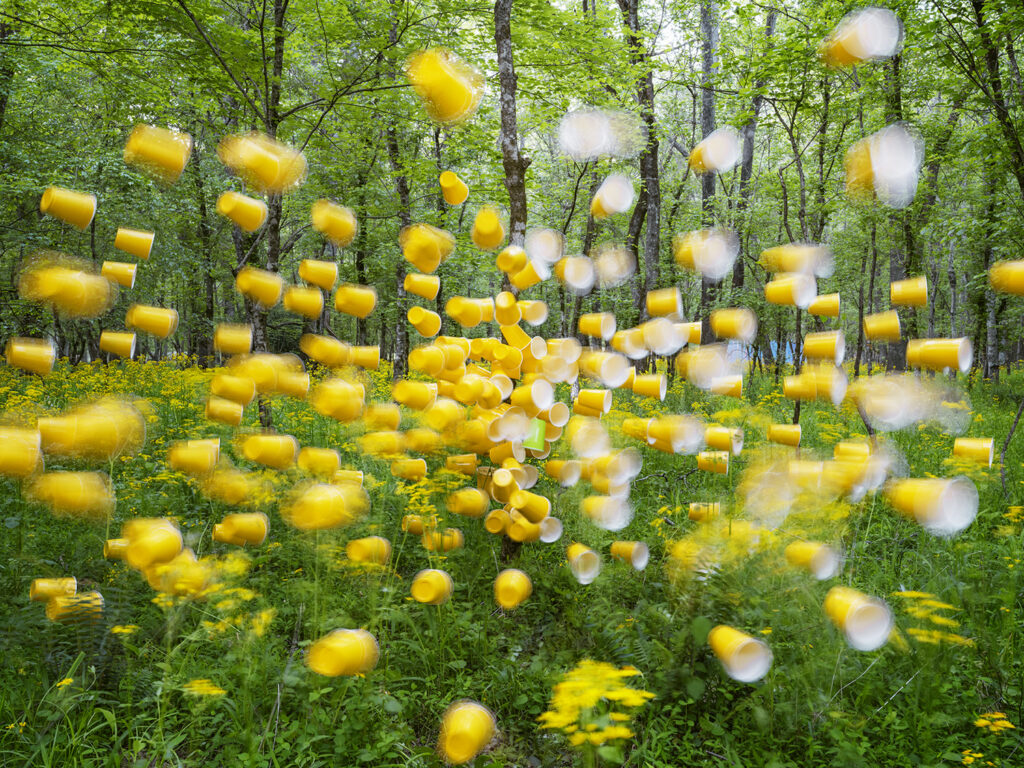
[[911, 703]]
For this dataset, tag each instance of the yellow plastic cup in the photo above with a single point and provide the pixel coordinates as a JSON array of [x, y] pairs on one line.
[[791, 289], [425, 247], [511, 588], [160, 151], [820, 559], [784, 434], [497, 521], [425, 322], [371, 549], [584, 562], [307, 302], [35, 355], [466, 729], [417, 524], [322, 507], [151, 540], [826, 305], [1007, 277], [343, 652], [882, 326], [825, 345], [940, 354], [703, 511], [76, 208], [412, 470], [636, 553], [87, 495], [158, 321], [242, 528], [600, 325], [691, 332], [276, 451], [356, 300], [418, 395], [802, 386], [469, 502], [232, 339], [449, 89], [860, 175], [651, 385], [319, 461], [115, 549], [194, 457], [42, 590], [664, 301], [431, 587], [443, 541], [338, 399], [75, 609], [487, 232], [20, 451], [237, 388], [532, 506], [453, 189], [531, 274], [366, 357], [506, 309], [942, 506], [424, 286], [724, 439], [717, 153], [865, 621], [912, 292], [744, 658], [511, 259], [247, 212], [260, 286], [223, 410], [980, 449], [335, 222], [120, 343], [737, 323], [322, 274], [137, 242], [713, 461], [75, 292], [119, 272], [326, 350]]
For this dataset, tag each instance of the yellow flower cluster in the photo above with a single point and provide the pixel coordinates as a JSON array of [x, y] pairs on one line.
[[587, 703], [924, 605], [65, 682], [202, 687], [994, 721], [124, 629]]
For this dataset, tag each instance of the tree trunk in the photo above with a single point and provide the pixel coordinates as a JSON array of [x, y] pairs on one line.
[[747, 163], [514, 163], [709, 50]]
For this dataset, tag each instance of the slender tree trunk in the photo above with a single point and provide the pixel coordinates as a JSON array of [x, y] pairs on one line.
[[709, 68], [747, 164], [512, 161]]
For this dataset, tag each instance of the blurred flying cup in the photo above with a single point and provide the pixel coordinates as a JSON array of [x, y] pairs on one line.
[[119, 272], [120, 343], [87, 495], [739, 324], [584, 562], [370, 549], [20, 451], [978, 449], [942, 506], [792, 289], [344, 652], [158, 321], [75, 208], [322, 274], [745, 658], [335, 222], [449, 89], [307, 302], [424, 286], [864, 35], [466, 729], [137, 242], [826, 305], [1007, 277], [247, 212], [912, 292], [820, 559], [42, 590], [636, 553], [718, 153], [453, 189], [432, 587], [940, 354], [784, 434], [356, 300], [865, 621], [511, 588], [162, 152], [194, 457], [882, 326]]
